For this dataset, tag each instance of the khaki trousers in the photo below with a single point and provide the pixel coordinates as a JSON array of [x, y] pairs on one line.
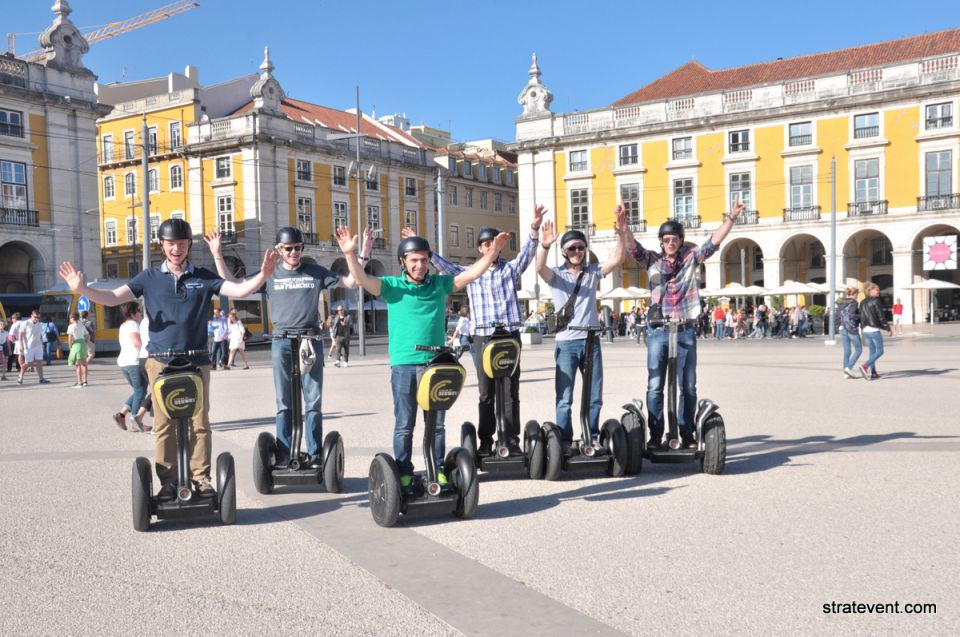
[[199, 446]]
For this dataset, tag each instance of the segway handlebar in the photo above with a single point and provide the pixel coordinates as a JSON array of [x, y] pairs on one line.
[[292, 334], [455, 349], [585, 328], [173, 353], [496, 324]]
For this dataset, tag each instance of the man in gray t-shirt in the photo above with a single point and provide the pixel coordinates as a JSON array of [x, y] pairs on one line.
[[570, 348], [293, 294]]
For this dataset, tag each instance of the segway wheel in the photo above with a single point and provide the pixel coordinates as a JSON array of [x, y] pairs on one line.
[[333, 462], [142, 493], [633, 426], [554, 452], [263, 452], [535, 448], [383, 488], [226, 488], [614, 439], [714, 446], [464, 477], [468, 440]]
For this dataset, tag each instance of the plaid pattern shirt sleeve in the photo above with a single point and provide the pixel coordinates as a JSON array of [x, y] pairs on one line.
[[522, 260], [445, 267]]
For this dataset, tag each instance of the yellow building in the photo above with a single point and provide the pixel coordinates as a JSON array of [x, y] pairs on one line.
[[242, 157], [688, 144]]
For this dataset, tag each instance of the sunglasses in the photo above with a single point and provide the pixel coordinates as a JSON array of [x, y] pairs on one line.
[[293, 248], [669, 239], [576, 248]]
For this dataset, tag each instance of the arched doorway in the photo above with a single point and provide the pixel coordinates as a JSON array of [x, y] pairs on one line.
[[945, 302], [20, 265], [802, 258], [747, 252]]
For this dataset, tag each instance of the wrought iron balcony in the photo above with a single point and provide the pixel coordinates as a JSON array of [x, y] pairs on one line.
[[747, 218], [802, 213], [11, 130], [801, 140], [586, 228], [740, 147], [938, 202], [688, 221], [19, 217], [939, 122], [866, 208], [638, 226], [682, 153], [866, 131]]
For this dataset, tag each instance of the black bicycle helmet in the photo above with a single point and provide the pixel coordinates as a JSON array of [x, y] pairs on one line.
[[289, 235], [572, 235], [175, 230], [487, 234], [413, 244], [671, 226]]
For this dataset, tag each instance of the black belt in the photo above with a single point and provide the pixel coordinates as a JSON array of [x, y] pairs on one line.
[[688, 324]]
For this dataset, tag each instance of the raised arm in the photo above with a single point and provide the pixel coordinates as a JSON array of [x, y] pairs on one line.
[[547, 239], [621, 228], [728, 219], [348, 281], [480, 266], [442, 265], [213, 242], [348, 244], [238, 290], [74, 280], [523, 259]]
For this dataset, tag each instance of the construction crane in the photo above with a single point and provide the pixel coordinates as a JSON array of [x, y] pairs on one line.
[[114, 29]]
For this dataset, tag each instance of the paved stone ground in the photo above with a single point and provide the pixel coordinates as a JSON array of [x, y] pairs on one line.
[[835, 490]]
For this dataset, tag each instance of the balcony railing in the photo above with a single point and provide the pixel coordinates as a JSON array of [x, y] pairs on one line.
[[689, 221], [801, 140], [586, 228], [11, 130], [747, 218], [802, 213], [638, 226], [938, 202], [741, 147], [939, 122], [866, 131], [19, 217], [682, 153], [866, 208]]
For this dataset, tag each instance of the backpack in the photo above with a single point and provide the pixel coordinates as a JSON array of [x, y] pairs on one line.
[[52, 333], [91, 331]]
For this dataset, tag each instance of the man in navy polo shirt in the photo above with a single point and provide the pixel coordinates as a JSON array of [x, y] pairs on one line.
[[177, 299]]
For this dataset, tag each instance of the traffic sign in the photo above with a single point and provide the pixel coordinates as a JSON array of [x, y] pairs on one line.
[[83, 304]]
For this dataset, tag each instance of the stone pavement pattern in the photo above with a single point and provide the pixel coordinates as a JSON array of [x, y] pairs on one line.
[[835, 490]]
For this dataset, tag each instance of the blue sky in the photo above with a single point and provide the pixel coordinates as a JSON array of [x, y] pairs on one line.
[[449, 65]]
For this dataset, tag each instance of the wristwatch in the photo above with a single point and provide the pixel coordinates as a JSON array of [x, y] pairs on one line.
[[729, 216]]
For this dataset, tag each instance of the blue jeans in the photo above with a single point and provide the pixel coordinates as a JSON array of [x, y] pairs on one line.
[[852, 348], [657, 350], [49, 351], [219, 353], [571, 356], [403, 382], [875, 343], [718, 331], [136, 380], [312, 387]]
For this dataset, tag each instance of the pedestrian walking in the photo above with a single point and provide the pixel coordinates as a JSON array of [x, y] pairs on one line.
[[91, 336], [221, 329], [340, 331], [898, 317], [719, 322], [848, 326], [13, 340], [129, 363], [236, 333], [77, 342], [4, 350], [871, 316], [30, 336], [51, 340]]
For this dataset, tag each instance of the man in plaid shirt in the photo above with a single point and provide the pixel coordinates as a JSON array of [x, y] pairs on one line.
[[493, 299], [672, 276]]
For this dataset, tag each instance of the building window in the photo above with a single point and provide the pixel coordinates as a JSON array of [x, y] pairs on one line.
[[469, 198], [339, 175], [410, 187], [939, 115], [578, 161], [739, 141], [107, 152], [113, 268], [801, 186], [225, 218], [628, 154], [153, 180], [513, 241], [453, 195], [512, 205], [817, 254], [757, 259], [305, 214], [469, 236], [11, 123], [152, 140], [110, 232], [176, 140], [801, 134], [133, 268], [373, 184], [740, 187], [630, 196], [579, 207], [304, 170], [495, 174], [410, 220], [454, 235], [109, 189], [881, 251], [467, 168], [497, 202], [176, 177], [867, 125], [866, 180], [131, 230], [481, 171], [509, 177], [683, 148], [452, 164], [130, 185], [340, 215], [682, 197], [222, 168], [939, 173], [373, 219], [155, 228], [484, 204], [128, 145]]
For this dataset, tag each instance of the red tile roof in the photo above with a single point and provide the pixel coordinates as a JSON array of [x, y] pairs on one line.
[[499, 157], [337, 120], [693, 78]]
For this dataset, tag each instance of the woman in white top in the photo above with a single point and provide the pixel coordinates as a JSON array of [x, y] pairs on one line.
[[236, 331], [129, 363]]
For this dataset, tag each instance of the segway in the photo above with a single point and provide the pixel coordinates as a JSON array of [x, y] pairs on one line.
[[711, 449], [266, 472], [437, 390], [179, 395], [500, 357], [608, 454]]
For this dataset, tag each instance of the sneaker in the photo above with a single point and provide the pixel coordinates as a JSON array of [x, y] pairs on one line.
[[485, 448], [315, 461], [874, 376], [406, 484], [655, 443], [19, 380], [514, 446], [345, 364], [44, 381], [865, 371], [84, 383], [567, 448], [282, 460], [336, 363], [167, 492], [77, 385], [688, 441], [205, 487], [848, 373], [442, 478], [119, 418], [134, 428]]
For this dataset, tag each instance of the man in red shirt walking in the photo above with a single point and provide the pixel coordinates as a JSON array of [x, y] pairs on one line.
[[898, 317]]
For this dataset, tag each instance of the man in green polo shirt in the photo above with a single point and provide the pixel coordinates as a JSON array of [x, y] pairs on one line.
[[416, 315]]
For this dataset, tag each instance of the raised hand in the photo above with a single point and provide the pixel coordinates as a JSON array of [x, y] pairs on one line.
[[547, 234], [347, 242], [738, 207], [72, 276], [406, 232], [270, 260], [620, 222], [213, 241], [538, 213], [500, 241], [368, 237]]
